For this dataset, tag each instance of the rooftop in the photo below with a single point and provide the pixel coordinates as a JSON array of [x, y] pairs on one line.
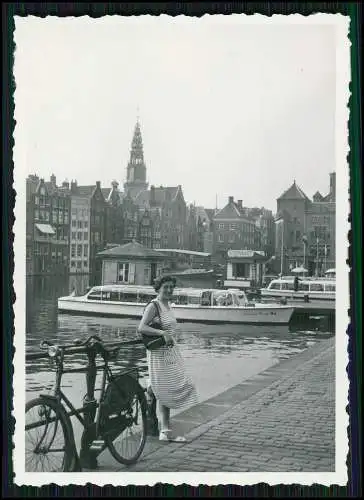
[[132, 250]]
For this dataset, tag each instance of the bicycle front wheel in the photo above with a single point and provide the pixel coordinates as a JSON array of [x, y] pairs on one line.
[[47, 437], [126, 430]]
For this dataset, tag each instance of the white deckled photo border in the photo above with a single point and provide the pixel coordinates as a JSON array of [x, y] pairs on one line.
[[340, 476]]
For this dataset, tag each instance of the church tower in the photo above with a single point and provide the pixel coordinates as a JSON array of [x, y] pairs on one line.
[[136, 176]]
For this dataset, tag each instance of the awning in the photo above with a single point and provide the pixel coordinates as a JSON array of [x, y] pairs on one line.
[[45, 228]]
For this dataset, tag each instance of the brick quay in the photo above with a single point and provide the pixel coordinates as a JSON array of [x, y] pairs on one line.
[[282, 420]]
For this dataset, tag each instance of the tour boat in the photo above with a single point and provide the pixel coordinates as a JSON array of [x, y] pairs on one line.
[[189, 304], [314, 288]]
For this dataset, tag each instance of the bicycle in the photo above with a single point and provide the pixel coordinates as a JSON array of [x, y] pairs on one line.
[[121, 407]]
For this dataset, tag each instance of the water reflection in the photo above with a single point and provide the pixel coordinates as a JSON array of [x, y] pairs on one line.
[[218, 356]]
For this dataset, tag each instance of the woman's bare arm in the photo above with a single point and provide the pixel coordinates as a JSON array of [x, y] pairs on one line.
[[149, 314]]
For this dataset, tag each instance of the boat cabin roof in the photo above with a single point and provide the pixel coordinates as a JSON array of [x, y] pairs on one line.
[[149, 290]]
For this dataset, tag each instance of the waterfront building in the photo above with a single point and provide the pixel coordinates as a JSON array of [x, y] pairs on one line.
[[47, 226], [233, 229], [206, 216], [130, 264], [264, 229], [114, 214], [245, 268], [194, 229], [308, 229], [88, 229]]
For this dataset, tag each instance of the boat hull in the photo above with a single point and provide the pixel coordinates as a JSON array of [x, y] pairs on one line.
[[199, 314]]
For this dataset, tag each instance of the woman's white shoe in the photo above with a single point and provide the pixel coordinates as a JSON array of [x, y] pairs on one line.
[[164, 435]]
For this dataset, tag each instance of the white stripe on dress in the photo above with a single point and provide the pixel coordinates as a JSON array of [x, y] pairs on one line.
[[171, 384]]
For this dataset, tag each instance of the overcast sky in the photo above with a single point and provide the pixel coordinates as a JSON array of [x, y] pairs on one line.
[[225, 108]]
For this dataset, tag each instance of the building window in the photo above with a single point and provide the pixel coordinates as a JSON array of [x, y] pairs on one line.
[[221, 226], [73, 263], [85, 236], [79, 224], [96, 237], [241, 270], [36, 200], [123, 272], [233, 226], [79, 250], [85, 263], [231, 238], [85, 251], [86, 224], [73, 250], [79, 235], [73, 223], [221, 238], [73, 235], [36, 214], [79, 264]]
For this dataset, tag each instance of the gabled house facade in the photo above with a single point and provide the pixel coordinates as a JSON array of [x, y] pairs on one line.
[[233, 230]]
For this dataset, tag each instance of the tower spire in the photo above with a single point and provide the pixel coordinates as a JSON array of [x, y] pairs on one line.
[[136, 170]]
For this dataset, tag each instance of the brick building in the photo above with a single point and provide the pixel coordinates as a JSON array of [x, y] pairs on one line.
[[308, 229], [47, 226], [88, 229], [233, 230]]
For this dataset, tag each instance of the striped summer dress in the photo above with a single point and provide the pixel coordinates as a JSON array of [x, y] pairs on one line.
[[168, 378]]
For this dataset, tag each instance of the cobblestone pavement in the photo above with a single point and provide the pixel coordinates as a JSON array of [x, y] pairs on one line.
[[288, 426]]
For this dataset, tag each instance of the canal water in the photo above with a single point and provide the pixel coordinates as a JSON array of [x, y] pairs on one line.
[[217, 356]]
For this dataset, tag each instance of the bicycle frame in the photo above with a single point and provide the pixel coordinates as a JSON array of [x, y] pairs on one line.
[[90, 406]]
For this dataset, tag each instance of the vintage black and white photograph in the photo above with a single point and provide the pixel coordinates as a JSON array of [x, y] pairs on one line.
[[180, 249]]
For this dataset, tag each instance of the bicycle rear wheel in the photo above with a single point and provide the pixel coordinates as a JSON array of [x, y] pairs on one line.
[[125, 430], [47, 437]]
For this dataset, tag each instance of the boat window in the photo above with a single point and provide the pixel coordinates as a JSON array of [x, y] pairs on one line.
[[285, 286], [275, 286], [105, 295], [96, 295], [206, 299], [128, 297], [180, 300], [236, 300], [316, 287], [290, 286], [220, 299], [329, 287], [304, 287], [193, 299], [229, 300], [143, 298], [115, 296]]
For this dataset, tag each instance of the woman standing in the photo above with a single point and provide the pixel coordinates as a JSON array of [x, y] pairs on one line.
[[169, 381]]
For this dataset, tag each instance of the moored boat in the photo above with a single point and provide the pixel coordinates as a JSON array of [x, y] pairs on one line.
[[313, 288], [189, 304]]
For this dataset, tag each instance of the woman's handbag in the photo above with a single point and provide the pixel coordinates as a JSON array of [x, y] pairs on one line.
[[152, 342]]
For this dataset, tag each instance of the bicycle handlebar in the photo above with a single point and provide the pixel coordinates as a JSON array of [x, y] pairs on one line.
[[91, 341]]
